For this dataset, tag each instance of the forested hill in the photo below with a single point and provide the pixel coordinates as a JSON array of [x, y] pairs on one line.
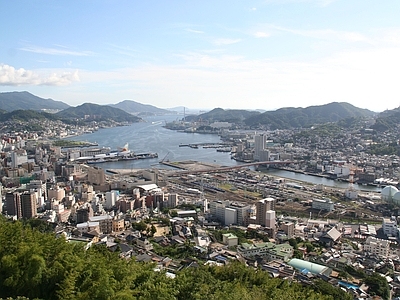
[[38, 265], [387, 120], [23, 115], [136, 108], [97, 112], [287, 118], [222, 115]]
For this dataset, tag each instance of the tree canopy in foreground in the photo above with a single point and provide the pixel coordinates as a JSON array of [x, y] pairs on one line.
[[38, 265]]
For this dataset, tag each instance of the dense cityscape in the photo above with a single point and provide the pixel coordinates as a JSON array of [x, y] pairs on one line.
[[194, 213]]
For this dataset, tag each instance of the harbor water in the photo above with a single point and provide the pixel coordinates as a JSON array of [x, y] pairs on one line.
[[151, 136]]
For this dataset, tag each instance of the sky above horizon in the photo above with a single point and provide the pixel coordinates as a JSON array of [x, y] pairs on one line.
[[204, 54]]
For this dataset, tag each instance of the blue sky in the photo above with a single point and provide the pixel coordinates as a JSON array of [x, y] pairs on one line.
[[204, 54]]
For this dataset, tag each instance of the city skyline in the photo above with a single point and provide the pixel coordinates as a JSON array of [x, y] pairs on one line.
[[234, 55]]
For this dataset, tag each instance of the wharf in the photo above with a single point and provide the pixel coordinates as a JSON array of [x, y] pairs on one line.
[[122, 172], [190, 165]]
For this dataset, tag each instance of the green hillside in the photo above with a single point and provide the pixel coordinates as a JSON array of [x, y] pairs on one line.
[[287, 118], [222, 115], [26, 115], [136, 108]]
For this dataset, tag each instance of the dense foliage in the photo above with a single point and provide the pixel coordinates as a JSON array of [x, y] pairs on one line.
[[36, 264], [24, 115], [378, 285], [236, 116]]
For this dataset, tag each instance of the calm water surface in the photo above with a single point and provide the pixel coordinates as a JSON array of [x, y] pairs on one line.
[[151, 136]]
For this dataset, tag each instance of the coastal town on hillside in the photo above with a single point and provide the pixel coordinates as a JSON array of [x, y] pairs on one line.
[[192, 212]]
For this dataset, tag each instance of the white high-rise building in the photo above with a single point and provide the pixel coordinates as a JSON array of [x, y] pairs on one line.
[[230, 216], [111, 198], [260, 141], [270, 219]]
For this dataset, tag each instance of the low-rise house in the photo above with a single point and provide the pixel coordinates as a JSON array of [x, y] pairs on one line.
[[144, 243], [230, 239]]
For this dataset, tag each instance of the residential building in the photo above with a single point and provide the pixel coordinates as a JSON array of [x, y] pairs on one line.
[[260, 141], [270, 219], [288, 228], [144, 244], [262, 206], [390, 227], [56, 193], [83, 214], [377, 246], [118, 225], [28, 205], [13, 204], [230, 216], [173, 200], [96, 176], [105, 223]]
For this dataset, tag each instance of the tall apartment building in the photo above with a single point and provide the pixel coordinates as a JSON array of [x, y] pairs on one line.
[[377, 246], [111, 198], [96, 176], [173, 200], [28, 205], [13, 204], [83, 214], [230, 213], [288, 228], [270, 219], [56, 193], [262, 206]]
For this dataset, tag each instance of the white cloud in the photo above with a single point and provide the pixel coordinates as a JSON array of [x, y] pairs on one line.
[[222, 41], [9, 76], [194, 31], [327, 34], [365, 78], [261, 34], [322, 3], [55, 51]]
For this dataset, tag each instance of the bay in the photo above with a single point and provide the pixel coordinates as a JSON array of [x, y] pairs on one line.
[[151, 136]]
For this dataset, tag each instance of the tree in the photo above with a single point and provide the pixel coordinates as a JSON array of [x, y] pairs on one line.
[[378, 285], [153, 230], [141, 226]]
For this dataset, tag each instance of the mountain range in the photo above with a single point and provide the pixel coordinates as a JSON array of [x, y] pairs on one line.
[[11, 101], [11, 104]]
